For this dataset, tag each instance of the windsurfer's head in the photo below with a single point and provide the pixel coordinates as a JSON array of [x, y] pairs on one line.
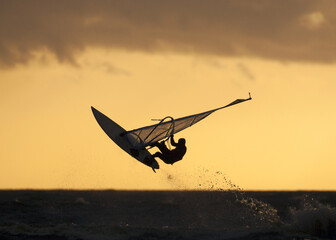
[[182, 141]]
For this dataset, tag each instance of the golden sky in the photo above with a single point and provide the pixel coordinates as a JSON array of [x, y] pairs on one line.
[[138, 60]]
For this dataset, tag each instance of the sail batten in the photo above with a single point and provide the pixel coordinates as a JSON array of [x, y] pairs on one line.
[[145, 136]]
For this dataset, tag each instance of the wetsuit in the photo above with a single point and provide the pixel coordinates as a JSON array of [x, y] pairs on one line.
[[171, 156]]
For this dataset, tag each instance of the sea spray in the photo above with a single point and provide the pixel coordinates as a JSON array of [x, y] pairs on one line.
[[259, 212], [252, 212], [314, 218]]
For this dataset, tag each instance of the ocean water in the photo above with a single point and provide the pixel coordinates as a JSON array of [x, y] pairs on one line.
[[217, 213]]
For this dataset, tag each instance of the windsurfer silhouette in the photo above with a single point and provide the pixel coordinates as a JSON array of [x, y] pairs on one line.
[[171, 156]]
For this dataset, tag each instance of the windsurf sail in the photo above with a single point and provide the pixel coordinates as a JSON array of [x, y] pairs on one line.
[[142, 137]]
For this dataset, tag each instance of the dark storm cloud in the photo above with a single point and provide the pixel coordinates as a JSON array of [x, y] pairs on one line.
[[280, 29]]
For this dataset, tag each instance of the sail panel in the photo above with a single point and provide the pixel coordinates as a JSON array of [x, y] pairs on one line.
[[143, 137]]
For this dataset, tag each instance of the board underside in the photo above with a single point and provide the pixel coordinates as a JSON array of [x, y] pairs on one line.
[[113, 130]]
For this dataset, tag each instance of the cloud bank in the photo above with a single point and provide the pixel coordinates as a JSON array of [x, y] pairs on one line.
[[281, 29]]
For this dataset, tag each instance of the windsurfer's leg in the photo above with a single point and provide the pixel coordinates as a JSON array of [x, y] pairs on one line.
[[158, 154], [166, 159], [163, 148], [171, 160], [162, 157], [154, 144]]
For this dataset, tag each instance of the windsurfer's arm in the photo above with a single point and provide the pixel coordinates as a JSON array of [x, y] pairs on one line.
[[172, 142]]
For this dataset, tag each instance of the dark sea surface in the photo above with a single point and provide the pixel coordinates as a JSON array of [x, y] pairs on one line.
[[221, 214]]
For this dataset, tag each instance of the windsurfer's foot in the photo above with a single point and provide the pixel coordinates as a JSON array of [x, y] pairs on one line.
[[155, 144]]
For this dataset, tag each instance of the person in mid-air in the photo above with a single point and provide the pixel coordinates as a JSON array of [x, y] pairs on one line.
[[171, 156]]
